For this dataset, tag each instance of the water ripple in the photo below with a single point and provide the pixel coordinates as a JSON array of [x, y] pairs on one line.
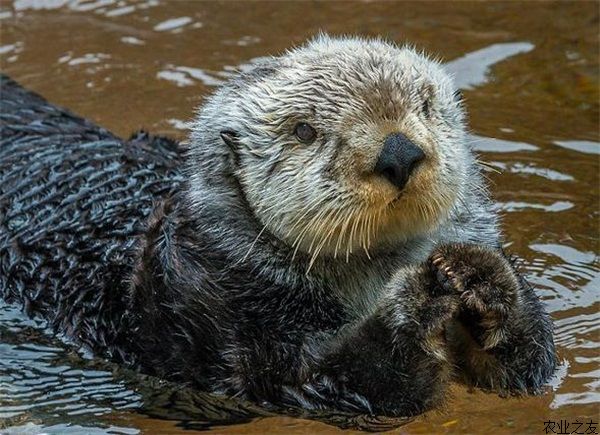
[[39, 378], [473, 68]]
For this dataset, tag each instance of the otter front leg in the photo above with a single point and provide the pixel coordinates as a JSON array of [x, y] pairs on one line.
[[506, 344], [393, 362]]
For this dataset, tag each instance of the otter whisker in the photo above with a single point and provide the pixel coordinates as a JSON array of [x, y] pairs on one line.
[[371, 219], [345, 233], [310, 207], [312, 204], [364, 221], [435, 204], [322, 222], [371, 228], [304, 231], [342, 234], [336, 218], [349, 248], [306, 226], [466, 207], [422, 210], [487, 165], [361, 228], [256, 239], [378, 223], [324, 241]]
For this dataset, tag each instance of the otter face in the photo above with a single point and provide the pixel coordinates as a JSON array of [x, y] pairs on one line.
[[344, 144]]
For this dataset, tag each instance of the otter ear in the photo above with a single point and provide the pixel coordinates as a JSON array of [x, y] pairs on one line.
[[231, 139]]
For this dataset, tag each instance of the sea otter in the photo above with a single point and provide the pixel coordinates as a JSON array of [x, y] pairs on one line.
[[325, 239]]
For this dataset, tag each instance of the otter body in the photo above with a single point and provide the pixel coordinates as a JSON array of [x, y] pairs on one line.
[[235, 266]]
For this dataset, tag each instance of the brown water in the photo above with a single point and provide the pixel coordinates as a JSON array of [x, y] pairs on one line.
[[530, 77]]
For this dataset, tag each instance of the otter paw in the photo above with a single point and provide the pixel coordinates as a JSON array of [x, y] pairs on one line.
[[438, 312], [421, 310], [487, 286], [444, 275], [433, 320]]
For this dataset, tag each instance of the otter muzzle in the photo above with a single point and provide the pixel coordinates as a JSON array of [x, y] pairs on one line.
[[398, 159]]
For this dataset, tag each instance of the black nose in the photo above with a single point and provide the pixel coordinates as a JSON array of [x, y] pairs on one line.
[[398, 158]]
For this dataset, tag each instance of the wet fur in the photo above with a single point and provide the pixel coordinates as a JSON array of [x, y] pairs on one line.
[[156, 257]]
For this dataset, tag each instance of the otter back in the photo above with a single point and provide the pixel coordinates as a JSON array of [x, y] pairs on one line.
[[73, 201]]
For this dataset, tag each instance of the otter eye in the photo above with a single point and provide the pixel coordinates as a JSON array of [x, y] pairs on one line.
[[305, 133]]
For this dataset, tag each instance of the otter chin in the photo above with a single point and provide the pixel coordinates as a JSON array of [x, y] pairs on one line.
[[324, 240]]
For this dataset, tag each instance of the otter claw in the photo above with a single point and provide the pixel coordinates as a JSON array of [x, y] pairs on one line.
[[436, 261], [445, 275]]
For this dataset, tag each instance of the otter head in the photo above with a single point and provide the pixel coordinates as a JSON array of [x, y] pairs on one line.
[[337, 146]]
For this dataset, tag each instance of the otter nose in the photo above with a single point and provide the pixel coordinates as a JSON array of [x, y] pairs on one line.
[[398, 158]]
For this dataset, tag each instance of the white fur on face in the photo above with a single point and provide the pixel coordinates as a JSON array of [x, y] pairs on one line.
[[323, 197]]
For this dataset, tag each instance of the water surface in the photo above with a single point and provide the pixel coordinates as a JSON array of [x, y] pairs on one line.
[[529, 73]]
